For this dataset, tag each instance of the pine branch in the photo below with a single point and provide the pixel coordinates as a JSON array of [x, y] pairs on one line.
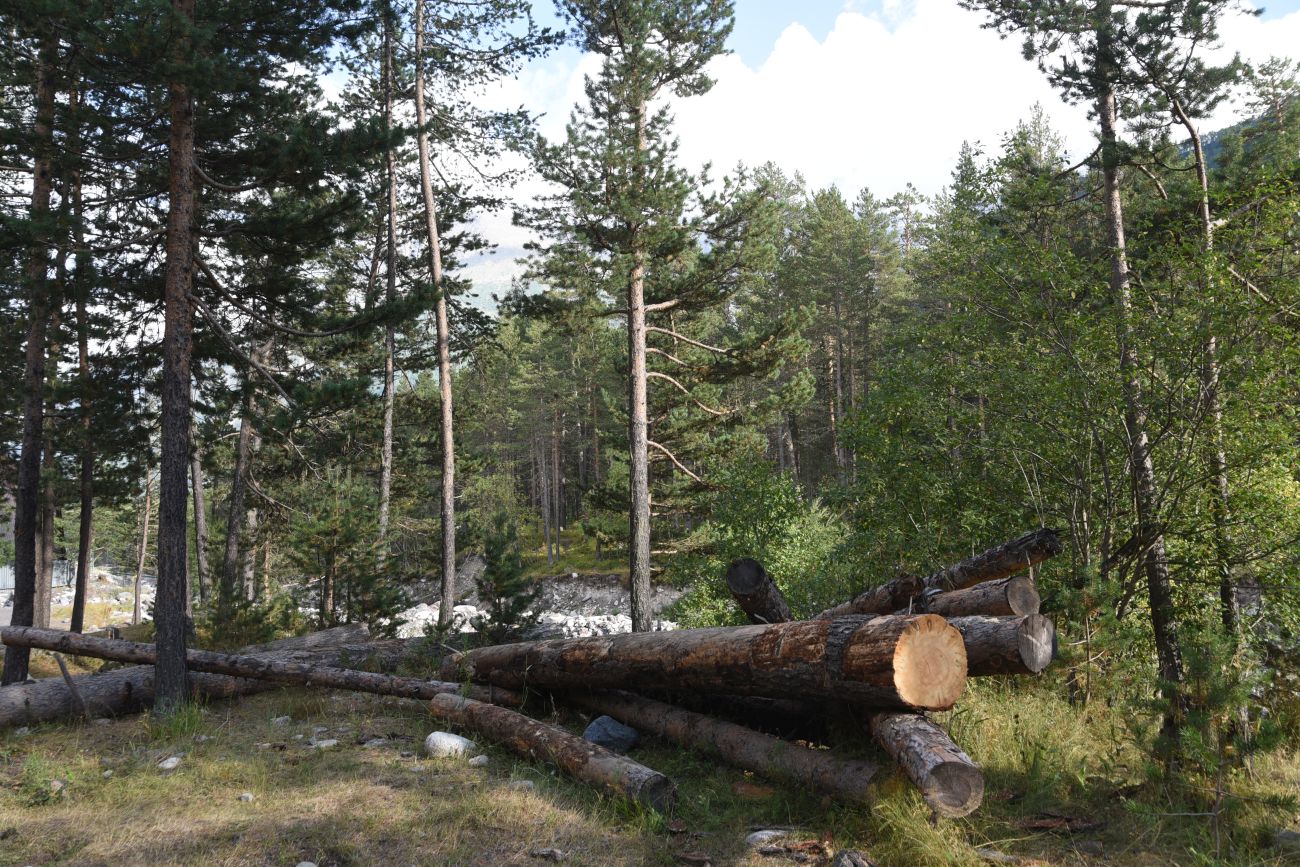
[[672, 457], [686, 391]]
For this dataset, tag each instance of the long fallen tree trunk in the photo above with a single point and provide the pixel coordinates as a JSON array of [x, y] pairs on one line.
[[131, 689], [949, 780], [1005, 597], [743, 747], [1007, 645], [916, 662], [616, 775], [256, 667], [951, 783], [1001, 562]]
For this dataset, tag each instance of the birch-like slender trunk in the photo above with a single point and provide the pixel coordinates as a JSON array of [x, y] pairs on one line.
[[390, 294], [638, 421], [86, 481], [1146, 495], [146, 518], [447, 483], [200, 519]]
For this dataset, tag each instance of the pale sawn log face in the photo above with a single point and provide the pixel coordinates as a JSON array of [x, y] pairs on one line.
[[949, 780], [892, 661]]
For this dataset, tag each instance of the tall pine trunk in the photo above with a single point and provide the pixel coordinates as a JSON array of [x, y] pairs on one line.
[[29, 462], [638, 414], [236, 511], [85, 529], [1145, 487], [447, 483], [170, 621], [390, 170]]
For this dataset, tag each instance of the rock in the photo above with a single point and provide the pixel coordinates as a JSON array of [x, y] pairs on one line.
[[322, 745], [1090, 847], [445, 745], [57, 787], [375, 742], [995, 857], [316, 730], [246, 797], [103, 721], [523, 785], [170, 763], [611, 734], [202, 739], [108, 773], [22, 731], [1287, 841], [306, 864], [406, 754], [478, 762], [758, 838], [851, 858], [548, 854], [280, 721]]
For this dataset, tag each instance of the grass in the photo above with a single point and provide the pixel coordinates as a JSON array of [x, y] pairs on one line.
[[352, 804], [577, 554]]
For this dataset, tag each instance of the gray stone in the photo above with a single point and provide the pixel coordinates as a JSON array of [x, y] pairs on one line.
[[246, 797], [993, 856], [1288, 841], [280, 721], [611, 734], [375, 742], [758, 838], [323, 745], [851, 858], [523, 785], [548, 854], [445, 745], [103, 721], [170, 763], [1093, 848], [108, 773], [478, 762]]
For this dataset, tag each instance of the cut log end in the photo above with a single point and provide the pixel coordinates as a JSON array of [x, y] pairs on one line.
[[930, 663], [954, 789], [746, 576], [1037, 642], [1022, 595]]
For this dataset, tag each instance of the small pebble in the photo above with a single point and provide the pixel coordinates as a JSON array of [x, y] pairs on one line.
[[103, 721], [170, 763], [202, 739], [21, 731], [445, 745], [407, 754], [548, 854], [375, 742], [325, 744], [280, 721], [57, 786], [306, 864], [478, 762], [108, 773], [758, 838], [523, 785], [247, 797]]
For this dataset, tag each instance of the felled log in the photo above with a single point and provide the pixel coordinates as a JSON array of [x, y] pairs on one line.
[[951, 783], [1007, 645], [1005, 597], [756, 592], [743, 747], [256, 667], [783, 717], [897, 661], [616, 775], [1005, 560], [131, 689], [949, 780]]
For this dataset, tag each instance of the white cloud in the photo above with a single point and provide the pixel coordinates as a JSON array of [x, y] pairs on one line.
[[884, 100]]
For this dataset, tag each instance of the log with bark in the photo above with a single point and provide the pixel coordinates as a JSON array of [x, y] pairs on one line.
[[949, 780], [756, 593], [951, 783], [1005, 597], [305, 673], [1007, 645], [907, 662], [743, 747], [1003, 561], [614, 774], [130, 689], [787, 718]]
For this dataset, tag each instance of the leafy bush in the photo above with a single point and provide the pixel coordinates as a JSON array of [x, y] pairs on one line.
[[505, 593]]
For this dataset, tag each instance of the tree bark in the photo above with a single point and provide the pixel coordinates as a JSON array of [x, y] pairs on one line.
[[756, 593], [638, 422], [1000, 562], [1009, 596], [763, 754], [1007, 645], [605, 770], [170, 622], [200, 519], [236, 511], [29, 462], [903, 662], [143, 548], [45, 524], [949, 780], [1146, 495], [127, 690], [447, 483], [254, 667]]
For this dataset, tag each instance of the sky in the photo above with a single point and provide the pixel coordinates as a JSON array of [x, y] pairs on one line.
[[855, 93]]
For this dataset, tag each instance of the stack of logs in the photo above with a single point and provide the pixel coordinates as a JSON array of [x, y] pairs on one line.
[[879, 661]]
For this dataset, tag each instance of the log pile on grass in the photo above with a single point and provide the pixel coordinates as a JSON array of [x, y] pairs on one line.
[[880, 661]]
